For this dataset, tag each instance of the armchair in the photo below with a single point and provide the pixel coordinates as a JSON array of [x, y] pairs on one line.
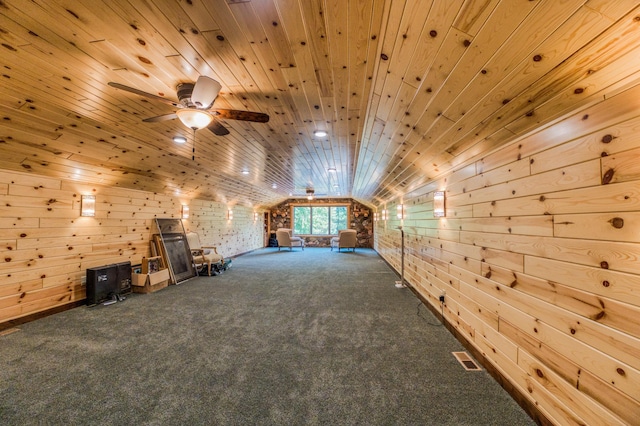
[[285, 239], [203, 255], [346, 239]]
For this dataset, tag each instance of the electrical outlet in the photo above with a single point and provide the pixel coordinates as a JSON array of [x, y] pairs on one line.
[[442, 294], [83, 281]]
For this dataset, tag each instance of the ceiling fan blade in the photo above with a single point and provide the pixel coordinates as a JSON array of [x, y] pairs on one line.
[[164, 117], [145, 94], [205, 92], [233, 114], [217, 128]]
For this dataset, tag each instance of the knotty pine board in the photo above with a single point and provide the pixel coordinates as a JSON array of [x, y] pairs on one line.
[[47, 246], [571, 373], [521, 105], [570, 305]]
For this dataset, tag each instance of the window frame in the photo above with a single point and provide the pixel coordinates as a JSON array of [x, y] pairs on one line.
[[347, 206]]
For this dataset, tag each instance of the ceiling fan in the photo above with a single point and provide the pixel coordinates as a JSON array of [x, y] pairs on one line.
[[195, 101], [309, 193]]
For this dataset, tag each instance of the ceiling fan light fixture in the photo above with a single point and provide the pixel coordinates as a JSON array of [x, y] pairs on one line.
[[194, 118], [310, 193]]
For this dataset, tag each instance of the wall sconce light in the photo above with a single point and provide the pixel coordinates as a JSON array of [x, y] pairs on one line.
[[385, 214], [88, 205], [400, 211], [230, 214], [439, 204], [185, 211], [256, 215], [375, 216]]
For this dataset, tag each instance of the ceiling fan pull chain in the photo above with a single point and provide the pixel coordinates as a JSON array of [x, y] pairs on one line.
[[193, 149]]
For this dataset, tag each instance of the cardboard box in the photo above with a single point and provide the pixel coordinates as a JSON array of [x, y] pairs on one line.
[[148, 283]]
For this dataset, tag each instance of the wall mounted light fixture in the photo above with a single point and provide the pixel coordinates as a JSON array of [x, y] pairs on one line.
[[385, 214], [256, 216], [439, 204], [375, 216], [185, 211], [230, 214], [88, 205], [400, 211]]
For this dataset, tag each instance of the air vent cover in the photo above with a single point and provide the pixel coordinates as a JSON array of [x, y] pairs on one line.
[[465, 360]]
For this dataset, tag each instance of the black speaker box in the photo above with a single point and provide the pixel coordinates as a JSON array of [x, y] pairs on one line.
[[124, 277], [102, 284]]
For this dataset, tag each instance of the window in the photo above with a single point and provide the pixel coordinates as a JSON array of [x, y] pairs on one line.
[[319, 220]]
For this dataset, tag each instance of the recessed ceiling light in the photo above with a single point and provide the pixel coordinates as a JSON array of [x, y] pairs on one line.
[[245, 172], [274, 186], [179, 139], [320, 133]]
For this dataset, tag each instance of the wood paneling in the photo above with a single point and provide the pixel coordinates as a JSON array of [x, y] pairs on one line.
[[407, 90], [47, 246], [542, 276]]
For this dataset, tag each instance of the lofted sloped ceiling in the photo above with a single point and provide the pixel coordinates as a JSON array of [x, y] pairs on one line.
[[406, 89]]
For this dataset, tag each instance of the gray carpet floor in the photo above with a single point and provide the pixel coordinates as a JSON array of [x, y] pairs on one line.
[[282, 338]]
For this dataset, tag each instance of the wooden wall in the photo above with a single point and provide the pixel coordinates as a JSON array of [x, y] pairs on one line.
[[539, 256], [46, 246]]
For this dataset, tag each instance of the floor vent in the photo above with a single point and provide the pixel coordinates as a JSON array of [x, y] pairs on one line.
[[8, 331], [465, 360]]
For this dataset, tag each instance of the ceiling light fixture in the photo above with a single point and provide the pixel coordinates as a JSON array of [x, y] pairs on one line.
[[310, 193], [331, 169], [179, 139], [245, 172], [320, 133], [194, 118]]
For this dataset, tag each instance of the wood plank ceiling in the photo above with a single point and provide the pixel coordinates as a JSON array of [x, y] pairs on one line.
[[406, 89]]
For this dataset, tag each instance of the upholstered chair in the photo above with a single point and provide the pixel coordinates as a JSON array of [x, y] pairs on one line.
[[203, 255], [346, 238], [285, 239]]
